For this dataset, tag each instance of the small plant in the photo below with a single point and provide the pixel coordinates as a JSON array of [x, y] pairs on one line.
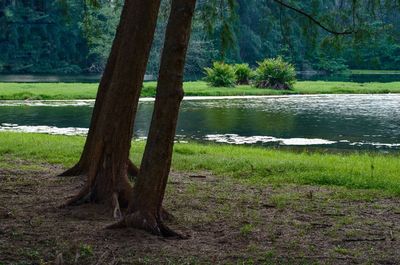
[[246, 229], [275, 74], [281, 201], [220, 75], [341, 250], [243, 73], [86, 251]]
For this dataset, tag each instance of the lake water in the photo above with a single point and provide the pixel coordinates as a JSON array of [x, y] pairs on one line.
[[94, 78], [358, 78], [346, 122], [53, 78]]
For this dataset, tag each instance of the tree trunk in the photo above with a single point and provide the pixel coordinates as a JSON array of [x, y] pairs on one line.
[[105, 158], [145, 209], [82, 167]]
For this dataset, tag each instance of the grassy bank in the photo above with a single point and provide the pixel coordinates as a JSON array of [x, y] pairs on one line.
[[70, 91], [248, 164]]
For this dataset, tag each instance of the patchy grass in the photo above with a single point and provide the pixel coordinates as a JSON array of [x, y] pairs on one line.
[[227, 221], [252, 165], [70, 91]]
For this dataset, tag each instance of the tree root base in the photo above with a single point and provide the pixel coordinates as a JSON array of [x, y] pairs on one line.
[[86, 196], [76, 170], [147, 223]]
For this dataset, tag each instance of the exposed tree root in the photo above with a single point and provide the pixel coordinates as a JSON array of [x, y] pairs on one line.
[[88, 196], [76, 170], [166, 216], [81, 198], [147, 222], [117, 200], [117, 214]]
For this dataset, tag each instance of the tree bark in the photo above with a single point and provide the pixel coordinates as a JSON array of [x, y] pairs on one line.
[[145, 209], [105, 158], [82, 167]]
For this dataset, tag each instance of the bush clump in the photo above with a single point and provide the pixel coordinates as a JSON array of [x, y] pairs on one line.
[[220, 75], [275, 74], [243, 73], [331, 65]]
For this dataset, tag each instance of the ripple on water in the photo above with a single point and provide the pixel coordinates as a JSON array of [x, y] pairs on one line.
[[236, 139], [343, 121], [7, 127]]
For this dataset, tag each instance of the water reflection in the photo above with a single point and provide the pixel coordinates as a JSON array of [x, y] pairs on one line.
[[330, 121], [358, 78], [95, 78]]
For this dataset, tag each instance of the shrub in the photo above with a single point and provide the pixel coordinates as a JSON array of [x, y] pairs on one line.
[[220, 75], [331, 66], [243, 73], [275, 74]]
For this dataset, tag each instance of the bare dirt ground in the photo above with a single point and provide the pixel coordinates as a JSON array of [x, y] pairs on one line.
[[228, 223]]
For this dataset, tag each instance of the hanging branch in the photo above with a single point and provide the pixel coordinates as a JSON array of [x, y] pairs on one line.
[[318, 23]]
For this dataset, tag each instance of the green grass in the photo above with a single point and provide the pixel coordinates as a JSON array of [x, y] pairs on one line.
[[248, 164], [302, 87], [70, 91]]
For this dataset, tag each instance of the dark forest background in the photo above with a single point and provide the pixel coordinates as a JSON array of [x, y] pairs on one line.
[[73, 37]]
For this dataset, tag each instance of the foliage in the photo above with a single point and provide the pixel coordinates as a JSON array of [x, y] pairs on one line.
[[220, 75], [275, 73], [86, 250], [218, 18], [36, 36], [331, 65], [243, 73], [98, 26], [68, 36], [200, 51]]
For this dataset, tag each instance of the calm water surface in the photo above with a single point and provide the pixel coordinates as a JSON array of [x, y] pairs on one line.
[[95, 78], [367, 122]]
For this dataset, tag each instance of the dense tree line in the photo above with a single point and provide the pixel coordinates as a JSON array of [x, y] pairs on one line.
[[39, 36]]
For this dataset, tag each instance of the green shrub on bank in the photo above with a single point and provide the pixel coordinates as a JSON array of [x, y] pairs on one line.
[[243, 73], [220, 75], [275, 73]]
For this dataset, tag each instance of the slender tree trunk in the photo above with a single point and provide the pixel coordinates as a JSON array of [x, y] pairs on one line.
[[105, 158], [145, 209]]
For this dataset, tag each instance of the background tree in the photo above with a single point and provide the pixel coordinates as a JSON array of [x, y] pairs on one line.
[[37, 36], [238, 30]]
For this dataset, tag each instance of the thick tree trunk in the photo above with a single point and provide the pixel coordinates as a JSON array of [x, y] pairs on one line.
[[145, 210], [105, 159], [82, 167]]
